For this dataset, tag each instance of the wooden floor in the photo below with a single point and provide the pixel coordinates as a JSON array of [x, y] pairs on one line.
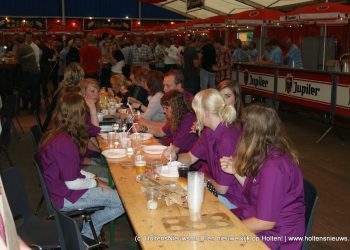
[[326, 164]]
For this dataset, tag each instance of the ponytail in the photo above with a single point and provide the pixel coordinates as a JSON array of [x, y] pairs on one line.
[[211, 100], [227, 114]]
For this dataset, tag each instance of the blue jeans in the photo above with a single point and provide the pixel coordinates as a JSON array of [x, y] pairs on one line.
[[109, 198], [226, 202], [207, 79]]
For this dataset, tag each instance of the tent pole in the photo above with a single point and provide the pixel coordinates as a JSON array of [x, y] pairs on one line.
[[261, 38], [324, 46], [140, 10], [63, 13]]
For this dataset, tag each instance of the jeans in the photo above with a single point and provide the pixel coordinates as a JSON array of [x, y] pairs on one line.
[[226, 202], [98, 196], [207, 79]]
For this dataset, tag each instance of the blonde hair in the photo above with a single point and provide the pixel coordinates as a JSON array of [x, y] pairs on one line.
[[72, 75], [262, 129], [85, 83], [211, 101], [120, 80], [70, 118]]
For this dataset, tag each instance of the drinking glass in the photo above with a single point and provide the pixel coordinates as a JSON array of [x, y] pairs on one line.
[[195, 194], [111, 139]]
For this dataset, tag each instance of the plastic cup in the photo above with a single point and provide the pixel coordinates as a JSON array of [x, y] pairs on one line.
[[195, 194], [111, 139], [152, 198]]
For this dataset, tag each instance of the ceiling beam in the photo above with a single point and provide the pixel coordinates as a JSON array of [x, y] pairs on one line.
[[165, 3], [251, 4], [178, 12], [290, 7]]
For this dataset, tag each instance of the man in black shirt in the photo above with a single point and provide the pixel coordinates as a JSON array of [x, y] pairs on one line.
[[191, 66], [73, 54], [208, 60], [30, 73]]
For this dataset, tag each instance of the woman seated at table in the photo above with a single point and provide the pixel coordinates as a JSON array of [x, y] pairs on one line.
[[154, 85], [267, 167], [91, 161], [61, 151], [219, 138], [231, 93], [119, 88], [137, 89], [73, 74], [179, 117]]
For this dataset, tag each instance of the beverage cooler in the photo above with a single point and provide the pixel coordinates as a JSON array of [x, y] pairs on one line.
[[312, 51]]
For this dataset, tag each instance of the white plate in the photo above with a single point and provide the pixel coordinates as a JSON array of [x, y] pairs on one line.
[[106, 128], [146, 136], [114, 153], [154, 149]]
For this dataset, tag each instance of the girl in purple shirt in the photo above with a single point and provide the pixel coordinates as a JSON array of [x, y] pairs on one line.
[[267, 168], [180, 117], [61, 151], [219, 138]]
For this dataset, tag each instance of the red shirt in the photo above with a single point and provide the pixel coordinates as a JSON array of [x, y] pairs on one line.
[[89, 56]]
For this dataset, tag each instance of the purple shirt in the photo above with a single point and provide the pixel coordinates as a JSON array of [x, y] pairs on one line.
[[92, 129], [188, 96], [60, 162], [211, 146], [182, 138], [276, 194]]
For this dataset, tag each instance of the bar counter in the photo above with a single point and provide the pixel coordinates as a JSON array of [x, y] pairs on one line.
[[324, 90]]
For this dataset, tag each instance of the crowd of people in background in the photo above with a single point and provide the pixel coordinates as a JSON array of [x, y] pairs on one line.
[[184, 93], [204, 62]]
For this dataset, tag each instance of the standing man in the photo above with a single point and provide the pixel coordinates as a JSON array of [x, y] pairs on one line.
[[208, 60], [223, 59], [293, 56], [159, 52], [74, 54], [171, 56], [90, 55], [191, 66], [276, 53], [140, 54], [25, 57], [37, 53]]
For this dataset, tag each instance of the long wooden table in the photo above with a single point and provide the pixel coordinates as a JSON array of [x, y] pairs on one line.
[[148, 226]]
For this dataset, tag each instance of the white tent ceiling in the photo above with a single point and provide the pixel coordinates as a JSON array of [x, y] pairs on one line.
[[228, 7]]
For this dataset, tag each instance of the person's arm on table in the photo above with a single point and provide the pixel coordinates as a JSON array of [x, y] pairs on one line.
[[256, 225], [186, 158]]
